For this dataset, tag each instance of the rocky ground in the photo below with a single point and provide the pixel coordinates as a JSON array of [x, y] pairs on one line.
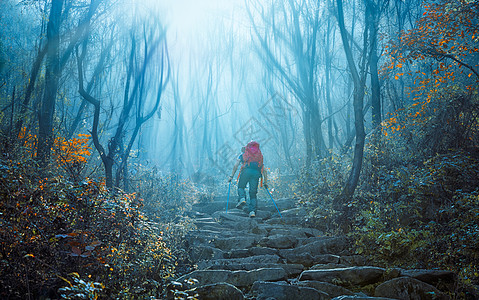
[[269, 257]]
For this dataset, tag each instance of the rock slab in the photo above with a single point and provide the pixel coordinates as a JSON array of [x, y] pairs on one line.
[[219, 291], [407, 288], [282, 291], [345, 276], [236, 278]]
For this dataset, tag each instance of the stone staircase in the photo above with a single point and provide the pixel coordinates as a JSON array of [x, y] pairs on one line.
[[268, 257]]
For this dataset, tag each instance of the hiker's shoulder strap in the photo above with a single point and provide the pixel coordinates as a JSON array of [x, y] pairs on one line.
[[241, 170]]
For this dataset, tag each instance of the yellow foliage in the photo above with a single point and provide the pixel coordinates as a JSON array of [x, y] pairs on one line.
[[65, 152]]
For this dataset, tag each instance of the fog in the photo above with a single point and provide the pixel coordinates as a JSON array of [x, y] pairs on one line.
[[183, 85], [221, 100]]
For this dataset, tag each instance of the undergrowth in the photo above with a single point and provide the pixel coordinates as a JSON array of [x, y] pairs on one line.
[[63, 239], [417, 203], [424, 217]]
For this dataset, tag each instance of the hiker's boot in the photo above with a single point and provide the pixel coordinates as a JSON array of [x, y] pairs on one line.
[[252, 214], [241, 203]]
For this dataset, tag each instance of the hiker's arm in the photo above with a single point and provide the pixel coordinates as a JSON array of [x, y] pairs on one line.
[[234, 170], [265, 176]]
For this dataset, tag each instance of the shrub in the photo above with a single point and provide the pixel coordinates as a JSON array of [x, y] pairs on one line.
[[316, 188], [423, 216], [52, 227]]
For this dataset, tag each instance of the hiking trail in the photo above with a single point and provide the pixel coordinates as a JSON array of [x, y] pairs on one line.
[[268, 257]]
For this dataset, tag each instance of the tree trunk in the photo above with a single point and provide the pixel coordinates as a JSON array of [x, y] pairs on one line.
[[372, 17], [353, 178], [327, 58], [319, 144], [358, 97], [307, 136], [108, 164], [28, 93], [52, 74]]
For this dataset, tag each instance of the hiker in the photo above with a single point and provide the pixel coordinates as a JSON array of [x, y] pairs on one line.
[[252, 169]]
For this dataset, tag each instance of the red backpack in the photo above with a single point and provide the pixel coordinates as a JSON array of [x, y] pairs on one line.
[[252, 156]]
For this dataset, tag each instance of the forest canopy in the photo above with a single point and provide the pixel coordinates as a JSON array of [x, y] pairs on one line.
[[117, 116]]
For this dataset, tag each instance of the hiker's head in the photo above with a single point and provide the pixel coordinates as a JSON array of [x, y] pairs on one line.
[[252, 144]]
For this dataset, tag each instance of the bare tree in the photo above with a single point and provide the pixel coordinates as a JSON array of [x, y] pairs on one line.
[[296, 32], [359, 81], [136, 66], [52, 75], [373, 14], [142, 114]]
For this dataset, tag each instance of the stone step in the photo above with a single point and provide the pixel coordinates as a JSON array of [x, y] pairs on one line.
[[217, 291], [237, 278], [206, 232], [257, 259], [352, 276], [225, 229], [433, 277], [251, 227], [190, 289], [194, 240], [240, 242], [237, 215], [253, 251], [281, 202], [331, 289], [277, 220], [279, 241], [262, 290], [306, 241], [263, 204], [204, 219], [292, 270], [273, 257], [299, 232], [306, 259], [233, 216], [195, 214], [362, 296], [414, 288], [205, 252], [325, 245], [209, 224]]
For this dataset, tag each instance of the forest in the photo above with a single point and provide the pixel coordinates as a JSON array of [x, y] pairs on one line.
[[121, 120]]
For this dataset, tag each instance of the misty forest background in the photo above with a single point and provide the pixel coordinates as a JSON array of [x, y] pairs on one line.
[[118, 115]]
